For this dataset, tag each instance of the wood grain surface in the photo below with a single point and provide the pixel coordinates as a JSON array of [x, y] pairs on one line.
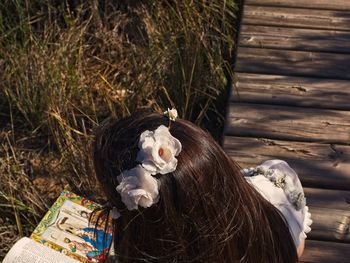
[[325, 252], [317, 164], [328, 198], [292, 91], [293, 63], [330, 224], [288, 123], [330, 210], [295, 38], [314, 4], [296, 17]]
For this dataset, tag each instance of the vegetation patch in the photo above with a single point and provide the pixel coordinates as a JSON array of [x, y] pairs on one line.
[[67, 65]]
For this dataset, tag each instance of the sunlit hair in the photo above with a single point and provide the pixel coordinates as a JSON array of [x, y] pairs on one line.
[[207, 212]]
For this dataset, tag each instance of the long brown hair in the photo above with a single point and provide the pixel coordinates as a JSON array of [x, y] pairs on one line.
[[207, 212]]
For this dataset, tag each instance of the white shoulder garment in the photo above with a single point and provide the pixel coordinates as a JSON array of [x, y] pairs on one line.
[[280, 185]]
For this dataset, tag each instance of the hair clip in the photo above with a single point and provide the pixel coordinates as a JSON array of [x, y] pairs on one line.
[[171, 114], [115, 213]]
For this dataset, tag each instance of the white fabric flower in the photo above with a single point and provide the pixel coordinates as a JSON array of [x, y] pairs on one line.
[[283, 176], [138, 187], [158, 150], [171, 113], [276, 176]]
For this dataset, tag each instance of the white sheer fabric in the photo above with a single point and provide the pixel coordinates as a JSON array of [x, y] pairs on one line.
[[280, 185]]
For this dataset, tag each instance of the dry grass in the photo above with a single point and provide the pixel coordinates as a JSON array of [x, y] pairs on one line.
[[66, 65]]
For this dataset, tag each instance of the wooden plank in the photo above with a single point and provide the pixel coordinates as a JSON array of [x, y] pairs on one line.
[[295, 38], [288, 123], [330, 224], [293, 91], [296, 17], [318, 165], [318, 4], [327, 198], [325, 252], [330, 210], [297, 63]]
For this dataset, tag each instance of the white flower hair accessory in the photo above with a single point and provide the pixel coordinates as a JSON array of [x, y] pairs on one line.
[[138, 187], [157, 155], [158, 150], [171, 114]]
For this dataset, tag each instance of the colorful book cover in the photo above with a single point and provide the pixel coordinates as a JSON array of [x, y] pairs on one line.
[[69, 229]]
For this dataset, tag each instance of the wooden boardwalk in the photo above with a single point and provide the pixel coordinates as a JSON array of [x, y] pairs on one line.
[[291, 101]]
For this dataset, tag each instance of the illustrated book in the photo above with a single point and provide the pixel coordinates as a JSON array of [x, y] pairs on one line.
[[66, 234]]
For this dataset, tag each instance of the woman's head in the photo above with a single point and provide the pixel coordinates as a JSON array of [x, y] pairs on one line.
[[206, 211]]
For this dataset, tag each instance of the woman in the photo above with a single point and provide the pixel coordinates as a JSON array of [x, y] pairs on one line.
[[180, 198]]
